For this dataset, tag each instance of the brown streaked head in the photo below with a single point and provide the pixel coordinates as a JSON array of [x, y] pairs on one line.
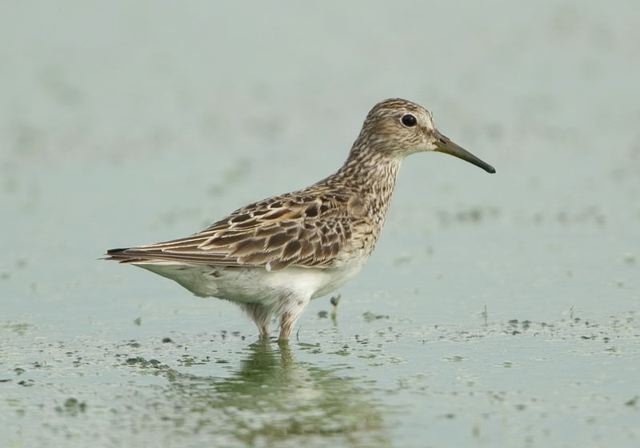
[[399, 127]]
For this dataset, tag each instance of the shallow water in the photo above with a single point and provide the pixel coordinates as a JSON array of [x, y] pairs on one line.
[[496, 311]]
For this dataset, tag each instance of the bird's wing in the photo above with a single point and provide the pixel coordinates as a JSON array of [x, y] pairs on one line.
[[303, 229]]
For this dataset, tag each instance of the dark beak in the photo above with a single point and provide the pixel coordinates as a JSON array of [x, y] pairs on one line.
[[444, 144]]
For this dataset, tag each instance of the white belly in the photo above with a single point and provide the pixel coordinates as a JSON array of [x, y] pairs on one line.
[[256, 285]]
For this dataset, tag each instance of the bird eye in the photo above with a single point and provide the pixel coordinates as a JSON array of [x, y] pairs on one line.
[[409, 120]]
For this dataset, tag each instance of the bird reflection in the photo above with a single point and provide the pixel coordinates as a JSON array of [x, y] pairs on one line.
[[272, 400]]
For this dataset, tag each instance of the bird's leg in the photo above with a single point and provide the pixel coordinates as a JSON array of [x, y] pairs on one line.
[[261, 316], [287, 321], [292, 310], [264, 331]]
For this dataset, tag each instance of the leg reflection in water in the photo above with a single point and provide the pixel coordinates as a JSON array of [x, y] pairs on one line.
[[270, 400]]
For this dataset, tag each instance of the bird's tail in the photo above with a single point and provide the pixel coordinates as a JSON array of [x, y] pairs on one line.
[[122, 255]]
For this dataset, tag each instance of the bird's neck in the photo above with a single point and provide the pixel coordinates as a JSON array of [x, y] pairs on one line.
[[370, 170], [372, 176]]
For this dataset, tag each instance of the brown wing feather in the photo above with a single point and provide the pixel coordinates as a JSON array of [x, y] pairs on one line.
[[288, 230]]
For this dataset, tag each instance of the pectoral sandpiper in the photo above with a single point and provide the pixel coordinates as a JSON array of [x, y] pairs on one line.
[[273, 256]]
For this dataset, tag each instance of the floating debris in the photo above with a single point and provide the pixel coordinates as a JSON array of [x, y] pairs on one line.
[[72, 406], [370, 317]]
